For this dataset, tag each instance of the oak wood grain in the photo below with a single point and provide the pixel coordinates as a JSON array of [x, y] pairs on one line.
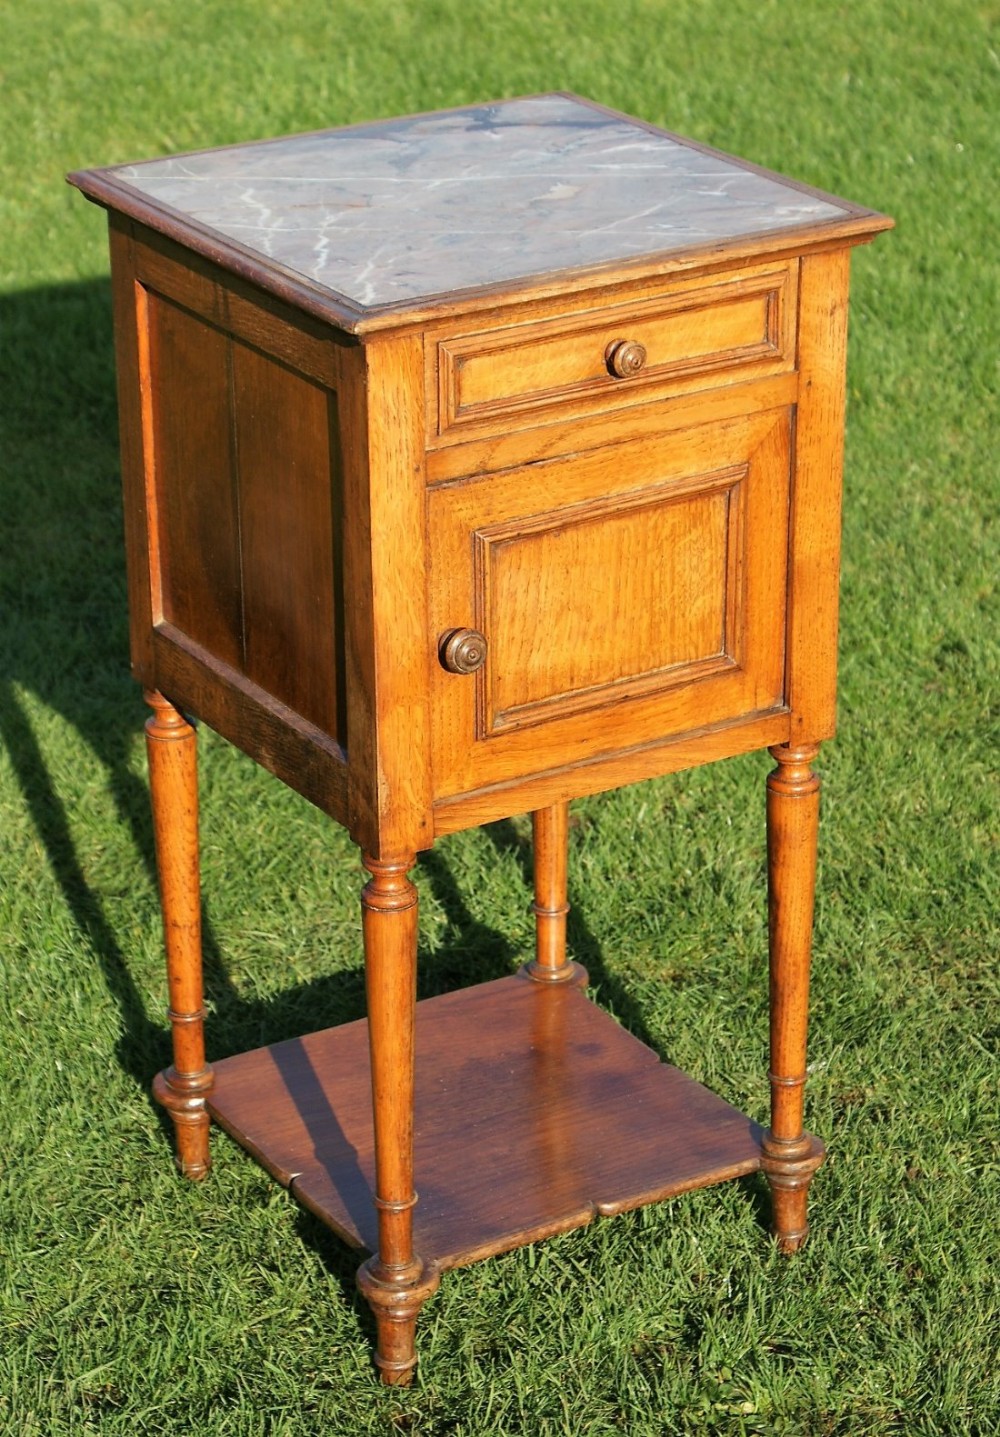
[[607, 600], [282, 741], [385, 563], [814, 549], [317, 493], [566, 432], [598, 773], [238, 309]]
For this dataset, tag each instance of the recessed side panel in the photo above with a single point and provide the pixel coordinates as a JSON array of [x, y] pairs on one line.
[[190, 475], [288, 466], [244, 484]]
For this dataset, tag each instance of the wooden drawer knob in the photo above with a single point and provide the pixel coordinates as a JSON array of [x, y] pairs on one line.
[[463, 651], [625, 357]]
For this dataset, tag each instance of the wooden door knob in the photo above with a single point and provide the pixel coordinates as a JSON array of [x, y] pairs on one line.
[[625, 357], [463, 651]]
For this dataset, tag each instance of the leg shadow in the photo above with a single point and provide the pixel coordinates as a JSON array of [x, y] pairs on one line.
[[143, 1047]]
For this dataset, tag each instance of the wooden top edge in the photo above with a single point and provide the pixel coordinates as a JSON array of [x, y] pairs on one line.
[[325, 304], [771, 244]]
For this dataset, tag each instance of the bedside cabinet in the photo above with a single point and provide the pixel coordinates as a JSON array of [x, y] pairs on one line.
[[474, 462]]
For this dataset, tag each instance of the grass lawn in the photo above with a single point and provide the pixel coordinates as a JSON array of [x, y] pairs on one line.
[[131, 1303]]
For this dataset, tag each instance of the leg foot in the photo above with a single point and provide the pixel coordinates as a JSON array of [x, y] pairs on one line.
[[789, 1167], [395, 1298], [171, 746], [184, 1100]]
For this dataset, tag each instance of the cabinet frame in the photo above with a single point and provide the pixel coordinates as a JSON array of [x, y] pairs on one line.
[[316, 490]]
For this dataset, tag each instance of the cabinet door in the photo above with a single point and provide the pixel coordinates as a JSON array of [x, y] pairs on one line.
[[627, 595]]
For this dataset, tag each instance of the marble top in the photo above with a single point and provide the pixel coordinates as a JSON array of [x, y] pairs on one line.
[[403, 210]]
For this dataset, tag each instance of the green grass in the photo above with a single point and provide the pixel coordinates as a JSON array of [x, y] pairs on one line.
[[131, 1303]]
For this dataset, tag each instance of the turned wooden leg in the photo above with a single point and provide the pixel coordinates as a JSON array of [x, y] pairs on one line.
[[395, 1281], [790, 1156], [550, 835], [171, 745]]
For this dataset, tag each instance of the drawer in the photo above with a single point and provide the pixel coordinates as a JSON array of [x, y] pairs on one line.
[[693, 336]]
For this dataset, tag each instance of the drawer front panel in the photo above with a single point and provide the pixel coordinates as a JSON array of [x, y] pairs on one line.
[[692, 338], [629, 594]]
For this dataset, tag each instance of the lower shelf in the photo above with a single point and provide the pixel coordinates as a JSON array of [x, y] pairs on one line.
[[534, 1112]]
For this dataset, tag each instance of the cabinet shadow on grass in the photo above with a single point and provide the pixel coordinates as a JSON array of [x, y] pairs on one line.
[[64, 639]]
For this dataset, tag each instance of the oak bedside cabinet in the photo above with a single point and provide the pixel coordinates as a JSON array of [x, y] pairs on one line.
[[474, 462]]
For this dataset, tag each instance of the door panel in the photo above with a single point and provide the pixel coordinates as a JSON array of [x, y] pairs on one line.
[[650, 619], [627, 594]]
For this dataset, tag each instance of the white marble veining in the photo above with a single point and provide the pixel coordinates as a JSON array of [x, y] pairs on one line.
[[406, 209]]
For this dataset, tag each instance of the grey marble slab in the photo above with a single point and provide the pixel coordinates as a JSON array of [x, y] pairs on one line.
[[406, 209]]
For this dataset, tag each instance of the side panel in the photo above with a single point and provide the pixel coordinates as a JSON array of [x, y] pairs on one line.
[[288, 469], [233, 480], [196, 532]]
